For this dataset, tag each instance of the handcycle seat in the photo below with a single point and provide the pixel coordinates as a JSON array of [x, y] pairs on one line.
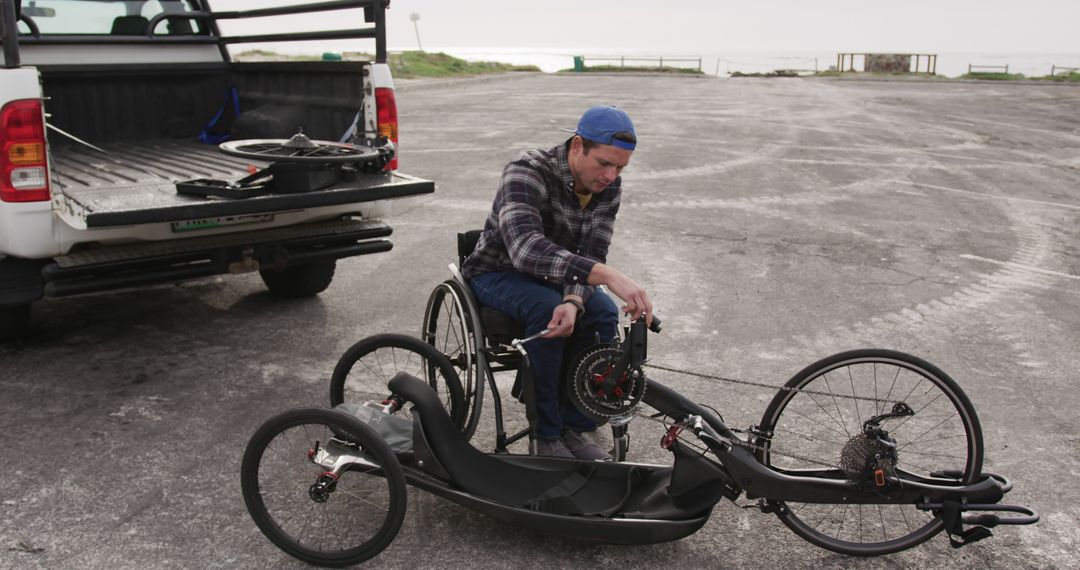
[[544, 484]]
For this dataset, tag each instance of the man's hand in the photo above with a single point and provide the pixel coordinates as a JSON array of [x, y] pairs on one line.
[[562, 321], [634, 295]]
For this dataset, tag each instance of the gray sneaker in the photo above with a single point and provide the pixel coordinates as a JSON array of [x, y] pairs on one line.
[[551, 448], [583, 448]]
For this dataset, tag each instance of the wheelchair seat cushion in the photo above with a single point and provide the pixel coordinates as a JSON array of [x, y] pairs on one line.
[[501, 328]]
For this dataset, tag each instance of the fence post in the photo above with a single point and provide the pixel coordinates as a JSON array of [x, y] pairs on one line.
[[1052, 68], [622, 61], [661, 62], [1006, 69]]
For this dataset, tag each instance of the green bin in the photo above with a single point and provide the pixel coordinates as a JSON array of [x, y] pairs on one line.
[[579, 63], [331, 56]]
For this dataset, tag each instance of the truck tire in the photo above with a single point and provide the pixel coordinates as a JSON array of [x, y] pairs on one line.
[[14, 322], [301, 280]]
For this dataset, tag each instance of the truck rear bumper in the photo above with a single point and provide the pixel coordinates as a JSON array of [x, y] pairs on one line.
[[114, 267]]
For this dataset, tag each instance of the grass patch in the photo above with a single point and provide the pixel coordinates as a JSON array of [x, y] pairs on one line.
[[1066, 77], [423, 64], [994, 76], [405, 65], [835, 73], [638, 69], [264, 55]]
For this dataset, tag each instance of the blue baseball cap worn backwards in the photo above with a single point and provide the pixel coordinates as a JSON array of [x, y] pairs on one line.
[[599, 124]]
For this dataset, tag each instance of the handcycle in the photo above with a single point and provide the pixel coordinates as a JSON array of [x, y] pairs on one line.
[[864, 453]]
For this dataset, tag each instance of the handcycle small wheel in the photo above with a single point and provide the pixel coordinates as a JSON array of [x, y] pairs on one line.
[[363, 371], [447, 327], [819, 432], [321, 518]]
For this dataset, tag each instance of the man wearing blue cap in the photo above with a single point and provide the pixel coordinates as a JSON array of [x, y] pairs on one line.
[[544, 250]]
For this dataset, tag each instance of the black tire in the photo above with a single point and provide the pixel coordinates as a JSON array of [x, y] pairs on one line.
[[312, 151], [299, 280], [359, 514], [14, 322], [363, 371], [819, 427], [448, 327]]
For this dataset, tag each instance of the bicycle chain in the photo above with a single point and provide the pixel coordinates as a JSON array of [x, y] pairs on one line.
[[769, 386], [747, 444]]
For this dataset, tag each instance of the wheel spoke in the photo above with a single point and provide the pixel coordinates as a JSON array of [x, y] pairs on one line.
[[835, 403], [858, 414], [829, 415]]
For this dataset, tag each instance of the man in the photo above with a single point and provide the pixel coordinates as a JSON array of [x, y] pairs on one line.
[[542, 254]]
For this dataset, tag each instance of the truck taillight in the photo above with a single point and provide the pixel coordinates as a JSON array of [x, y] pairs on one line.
[[24, 173], [386, 104]]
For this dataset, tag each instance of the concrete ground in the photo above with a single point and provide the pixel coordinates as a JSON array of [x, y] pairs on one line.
[[774, 222]]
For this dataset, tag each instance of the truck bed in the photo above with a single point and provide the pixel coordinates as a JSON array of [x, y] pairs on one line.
[[135, 183]]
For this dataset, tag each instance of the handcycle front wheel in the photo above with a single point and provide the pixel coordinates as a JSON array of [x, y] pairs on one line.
[[362, 373], [817, 424], [319, 517]]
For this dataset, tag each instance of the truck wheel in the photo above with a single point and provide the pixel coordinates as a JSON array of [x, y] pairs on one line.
[[14, 322], [299, 281]]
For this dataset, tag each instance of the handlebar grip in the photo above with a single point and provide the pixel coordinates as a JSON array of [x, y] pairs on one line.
[[655, 326]]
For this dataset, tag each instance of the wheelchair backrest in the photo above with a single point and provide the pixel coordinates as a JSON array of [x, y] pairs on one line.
[[466, 243]]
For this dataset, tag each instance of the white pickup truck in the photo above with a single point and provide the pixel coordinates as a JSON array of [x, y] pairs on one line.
[[106, 105]]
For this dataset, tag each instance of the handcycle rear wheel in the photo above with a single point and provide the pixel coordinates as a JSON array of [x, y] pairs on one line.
[[447, 328], [363, 371], [318, 518], [820, 428]]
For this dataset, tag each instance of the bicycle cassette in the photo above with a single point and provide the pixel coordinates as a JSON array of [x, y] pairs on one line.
[[596, 393]]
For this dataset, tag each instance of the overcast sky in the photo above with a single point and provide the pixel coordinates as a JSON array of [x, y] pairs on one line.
[[1045, 26]]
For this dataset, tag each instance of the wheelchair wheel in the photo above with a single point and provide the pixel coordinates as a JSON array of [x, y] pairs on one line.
[[363, 371], [448, 328], [308, 508], [819, 431]]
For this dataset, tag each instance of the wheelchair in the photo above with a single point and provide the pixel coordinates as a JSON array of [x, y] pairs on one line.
[[479, 342]]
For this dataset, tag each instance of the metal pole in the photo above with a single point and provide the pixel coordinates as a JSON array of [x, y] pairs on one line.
[[10, 34], [415, 18], [699, 65], [661, 62], [380, 30]]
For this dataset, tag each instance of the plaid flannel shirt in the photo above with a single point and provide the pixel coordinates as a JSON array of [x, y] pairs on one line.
[[537, 225]]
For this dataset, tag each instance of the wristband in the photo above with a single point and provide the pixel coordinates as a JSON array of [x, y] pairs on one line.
[[580, 307]]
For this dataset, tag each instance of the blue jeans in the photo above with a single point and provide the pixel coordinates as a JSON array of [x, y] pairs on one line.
[[532, 301]]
